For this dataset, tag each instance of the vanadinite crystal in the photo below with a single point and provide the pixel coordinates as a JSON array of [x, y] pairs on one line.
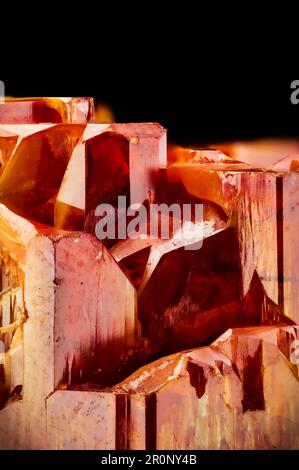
[[142, 342]]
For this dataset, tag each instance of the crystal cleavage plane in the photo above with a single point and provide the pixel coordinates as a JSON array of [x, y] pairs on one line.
[[139, 343]]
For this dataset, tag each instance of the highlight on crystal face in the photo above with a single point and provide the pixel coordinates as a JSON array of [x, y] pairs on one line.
[[139, 341]]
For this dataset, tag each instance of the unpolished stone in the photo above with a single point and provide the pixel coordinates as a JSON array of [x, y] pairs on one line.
[[110, 161], [95, 311], [31, 179], [81, 420], [54, 110], [13, 431], [259, 203], [220, 397]]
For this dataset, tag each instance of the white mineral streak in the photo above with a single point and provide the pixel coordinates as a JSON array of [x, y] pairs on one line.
[[199, 231], [148, 372], [178, 368], [226, 335]]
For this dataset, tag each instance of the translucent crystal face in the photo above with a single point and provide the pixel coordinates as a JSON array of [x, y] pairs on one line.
[[98, 310], [47, 110], [34, 160]]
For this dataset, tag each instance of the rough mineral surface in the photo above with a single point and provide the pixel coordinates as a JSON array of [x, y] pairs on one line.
[[144, 343], [218, 397], [55, 110], [110, 161]]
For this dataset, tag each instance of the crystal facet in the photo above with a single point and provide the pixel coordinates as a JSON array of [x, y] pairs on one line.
[[144, 342]]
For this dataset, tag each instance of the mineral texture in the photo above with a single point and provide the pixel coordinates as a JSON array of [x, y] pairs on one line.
[[142, 341]]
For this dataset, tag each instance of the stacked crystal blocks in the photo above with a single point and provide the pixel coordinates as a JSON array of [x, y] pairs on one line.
[[140, 343]]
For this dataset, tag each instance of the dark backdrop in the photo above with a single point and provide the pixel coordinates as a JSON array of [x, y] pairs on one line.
[[197, 105]]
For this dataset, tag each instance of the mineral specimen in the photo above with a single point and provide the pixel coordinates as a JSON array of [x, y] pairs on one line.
[[54, 110], [110, 161], [144, 342]]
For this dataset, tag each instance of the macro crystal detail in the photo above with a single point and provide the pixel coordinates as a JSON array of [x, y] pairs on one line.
[[141, 342]]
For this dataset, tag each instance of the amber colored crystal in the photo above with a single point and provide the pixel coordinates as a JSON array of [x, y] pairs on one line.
[[8, 141], [104, 160], [110, 161], [143, 342], [258, 203], [32, 177], [46, 110]]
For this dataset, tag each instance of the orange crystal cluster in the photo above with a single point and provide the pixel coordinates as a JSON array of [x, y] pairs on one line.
[[179, 349]]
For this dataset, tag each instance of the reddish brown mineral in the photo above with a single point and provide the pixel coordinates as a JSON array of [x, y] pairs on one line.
[[87, 325], [259, 203], [54, 110], [217, 397], [33, 174], [110, 161]]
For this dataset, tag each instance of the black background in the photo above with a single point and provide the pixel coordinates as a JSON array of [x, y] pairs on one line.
[[206, 71], [206, 81], [198, 104]]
